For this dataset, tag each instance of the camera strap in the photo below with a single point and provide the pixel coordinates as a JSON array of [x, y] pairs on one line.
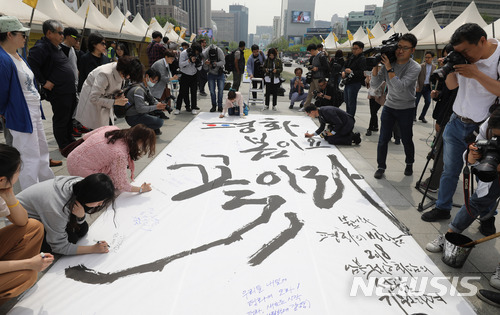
[[467, 184]]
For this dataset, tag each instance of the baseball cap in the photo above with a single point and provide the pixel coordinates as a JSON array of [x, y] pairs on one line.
[[11, 24], [70, 31]]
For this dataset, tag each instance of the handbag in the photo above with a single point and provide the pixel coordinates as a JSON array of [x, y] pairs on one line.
[[233, 111]]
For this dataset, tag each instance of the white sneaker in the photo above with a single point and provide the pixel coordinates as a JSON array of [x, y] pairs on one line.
[[194, 112], [436, 245], [495, 279], [301, 109], [177, 112], [274, 108], [265, 108]]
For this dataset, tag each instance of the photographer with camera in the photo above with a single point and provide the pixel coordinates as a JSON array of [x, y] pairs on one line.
[[214, 64], [354, 76], [319, 69], [478, 88], [167, 67], [298, 85], [273, 68], [400, 76], [325, 94], [340, 125], [189, 64]]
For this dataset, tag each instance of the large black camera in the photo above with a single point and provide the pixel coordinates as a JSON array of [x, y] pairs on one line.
[[486, 170], [453, 58], [192, 53], [388, 48]]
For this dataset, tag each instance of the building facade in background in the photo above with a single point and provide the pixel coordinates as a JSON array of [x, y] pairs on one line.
[[296, 17], [200, 14], [339, 24], [241, 13], [367, 18], [276, 27], [104, 6], [445, 11], [226, 25], [169, 10]]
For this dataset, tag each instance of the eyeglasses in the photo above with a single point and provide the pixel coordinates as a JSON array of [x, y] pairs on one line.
[[60, 33], [103, 43], [404, 48], [23, 34]]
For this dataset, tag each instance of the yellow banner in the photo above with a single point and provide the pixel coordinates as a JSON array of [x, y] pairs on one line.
[[170, 27], [193, 36], [349, 35], [370, 35], [335, 37], [87, 14], [31, 3], [183, 32]]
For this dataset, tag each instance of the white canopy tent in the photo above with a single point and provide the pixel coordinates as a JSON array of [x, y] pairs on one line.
[[330, 42], [470, 15], [358, 36], [427, 26], [172, 35], [489, 29], [117, 18], [23, 12], [95, 17], [140, 24], [155, 26], [377, 31], [399, 27], [57, 10]]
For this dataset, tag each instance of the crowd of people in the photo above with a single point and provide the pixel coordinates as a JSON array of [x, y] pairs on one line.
[[88, 90]]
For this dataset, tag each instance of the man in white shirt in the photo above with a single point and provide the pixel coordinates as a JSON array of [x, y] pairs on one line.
[[478, 88]]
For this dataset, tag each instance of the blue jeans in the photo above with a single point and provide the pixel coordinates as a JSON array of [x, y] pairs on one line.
[[454, 146], [296, 98], [351, 97], [220, 80], [146, 119], [404, 118], [478, 206], [426, 93]]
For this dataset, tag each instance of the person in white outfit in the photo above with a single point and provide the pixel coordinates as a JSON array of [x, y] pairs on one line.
[[20, 105]]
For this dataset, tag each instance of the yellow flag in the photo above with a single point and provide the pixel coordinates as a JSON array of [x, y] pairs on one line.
[[349, 35], [335, 37], [183, 31], [87, 14], [124, 21], [31, 3], [370, 35]]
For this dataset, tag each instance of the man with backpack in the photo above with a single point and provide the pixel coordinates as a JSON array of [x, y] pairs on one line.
[[238, 65], [214, 62], [142, 102], [255, 67], [319, 68], [354, 74]]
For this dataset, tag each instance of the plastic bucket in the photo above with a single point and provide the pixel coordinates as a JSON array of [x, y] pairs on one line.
[[453, 254]]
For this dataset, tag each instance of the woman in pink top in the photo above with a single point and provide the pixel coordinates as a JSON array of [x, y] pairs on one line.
[[233, 99], [111, 151]]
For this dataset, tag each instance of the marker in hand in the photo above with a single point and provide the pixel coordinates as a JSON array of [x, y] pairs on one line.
[[99, 242]]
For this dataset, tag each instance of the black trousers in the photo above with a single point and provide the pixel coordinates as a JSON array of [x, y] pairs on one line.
[[63, 106], [374, 107], [254, 86], [344, 135], [202, 79], [272, 89], [188, 84]]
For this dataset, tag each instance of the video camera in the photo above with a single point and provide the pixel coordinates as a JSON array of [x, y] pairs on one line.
[[344, 80], [388, 48], [486, 170], [453, 58], [192, 53]]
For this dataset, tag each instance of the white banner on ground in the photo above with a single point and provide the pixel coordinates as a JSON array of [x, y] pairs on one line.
[[247, 216]]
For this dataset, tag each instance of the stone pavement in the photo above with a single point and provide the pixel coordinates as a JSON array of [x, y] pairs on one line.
[[395, 189]]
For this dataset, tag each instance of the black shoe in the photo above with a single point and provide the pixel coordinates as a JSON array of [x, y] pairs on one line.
[[202, 93], [157, 132], [219, 109], [291, 106], [213, 109], [188, 109], [490, 297], [356, 138], [397, 141], [379, 173], [487, 227], [423, 120], [368, 132], [195, 107], [436, 214], [408, 169]]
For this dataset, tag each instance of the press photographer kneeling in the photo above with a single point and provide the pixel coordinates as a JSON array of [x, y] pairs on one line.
[[325, 94]]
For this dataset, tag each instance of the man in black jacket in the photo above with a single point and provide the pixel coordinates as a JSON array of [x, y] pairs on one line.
[[325, 94], [340, 125], [354, 74], [53, 71], [239, 65], [319, 67]]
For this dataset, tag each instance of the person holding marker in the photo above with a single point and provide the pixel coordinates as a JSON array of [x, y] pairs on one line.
[[20, 260], [62, 204]]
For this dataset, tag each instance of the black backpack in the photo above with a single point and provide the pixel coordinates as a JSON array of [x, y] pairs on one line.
[[229, 61], [121, 111], [213, 54], [258, 68]]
